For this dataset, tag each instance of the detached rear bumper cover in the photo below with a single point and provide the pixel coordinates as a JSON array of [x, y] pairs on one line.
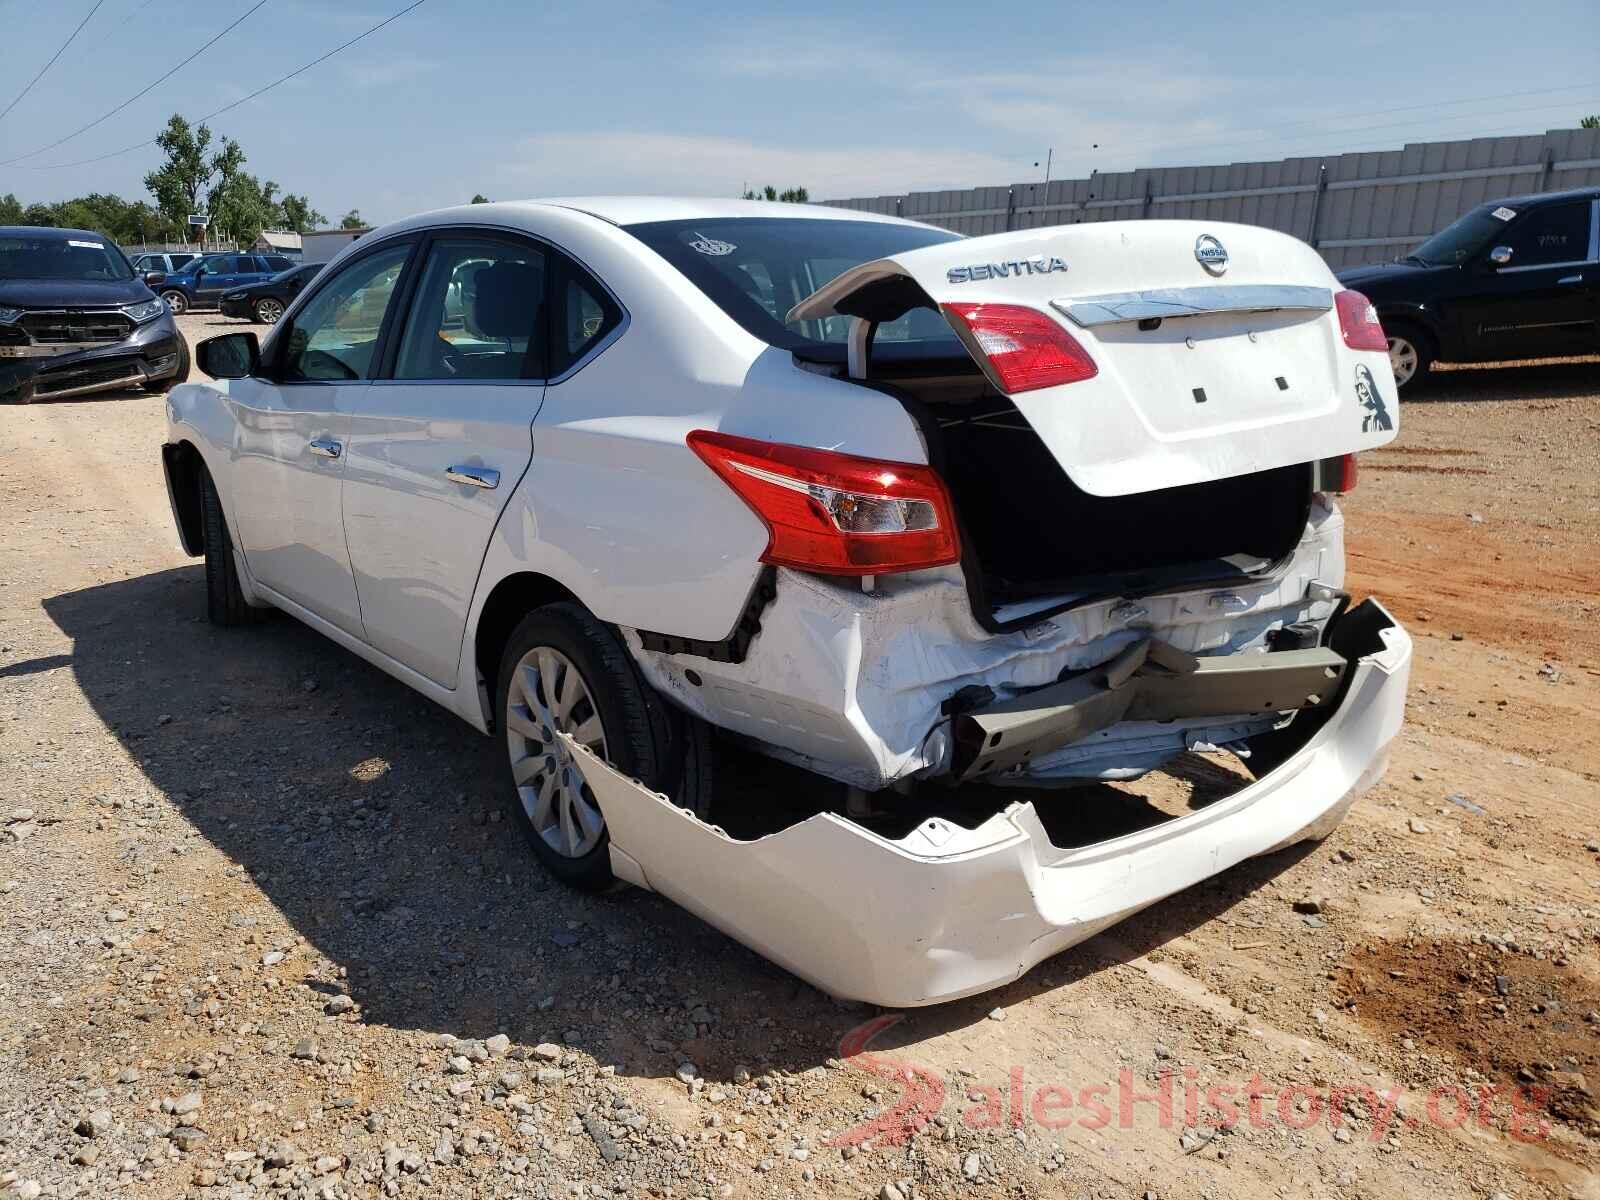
[[947, 912]]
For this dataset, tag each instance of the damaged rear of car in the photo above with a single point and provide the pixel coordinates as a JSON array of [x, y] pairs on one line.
[[1122, 546]]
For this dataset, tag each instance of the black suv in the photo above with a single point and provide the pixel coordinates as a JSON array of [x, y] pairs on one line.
[[1514, 278], [75, 318]]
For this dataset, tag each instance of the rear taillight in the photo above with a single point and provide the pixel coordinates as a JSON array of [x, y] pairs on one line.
[[1337, 474], [1021, 348], [836, 513], [1358, 321]]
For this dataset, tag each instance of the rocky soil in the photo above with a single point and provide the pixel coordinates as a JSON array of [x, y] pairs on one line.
[[264, 930]]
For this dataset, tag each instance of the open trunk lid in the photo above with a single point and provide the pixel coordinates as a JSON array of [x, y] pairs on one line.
[[1218, 347]]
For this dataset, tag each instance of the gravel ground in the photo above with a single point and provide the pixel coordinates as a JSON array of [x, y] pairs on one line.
[[266, 931]]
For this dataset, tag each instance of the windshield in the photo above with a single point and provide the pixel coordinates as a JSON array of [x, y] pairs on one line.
[[1464, 238], [757, 268], [28, 256]]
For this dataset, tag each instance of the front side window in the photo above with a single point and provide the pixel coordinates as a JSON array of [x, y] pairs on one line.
[[1556, 234], [217, 264], [333, 337], [478, 313], [757, 268]]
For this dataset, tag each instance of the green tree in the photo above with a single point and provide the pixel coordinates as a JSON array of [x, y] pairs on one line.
[[298, 214], [1590, 122], [352, 220], [794, 195], [479, 198], [178, 182], [10, 210]]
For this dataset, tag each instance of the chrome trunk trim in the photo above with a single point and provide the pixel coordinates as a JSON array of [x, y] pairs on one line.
[[1115, 307]]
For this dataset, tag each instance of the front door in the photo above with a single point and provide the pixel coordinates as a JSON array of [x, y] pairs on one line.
[[293, 430], [221, 273], [439, 442], [1539, 302]]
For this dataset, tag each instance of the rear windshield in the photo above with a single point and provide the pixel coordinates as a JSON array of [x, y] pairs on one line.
[[57, 257], [757, 268]]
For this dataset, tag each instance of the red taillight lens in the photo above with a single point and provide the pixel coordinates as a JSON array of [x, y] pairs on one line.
[[836, 513], [1337, 474], [1358, 321], [1022, 348]]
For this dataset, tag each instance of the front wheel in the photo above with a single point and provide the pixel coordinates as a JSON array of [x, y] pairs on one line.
[[268, 310], [565, 672], [177, 302], [1410, 356], [225, 602]]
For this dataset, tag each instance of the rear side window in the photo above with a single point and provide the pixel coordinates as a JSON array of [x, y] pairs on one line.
[[1558, 233], [757, 268], [583, 313]]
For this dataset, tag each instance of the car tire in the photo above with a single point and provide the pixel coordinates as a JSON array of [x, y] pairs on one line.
[[225, 602], [626, 721], [1411, 355], [177, 302], [181, 375], [268, 310]]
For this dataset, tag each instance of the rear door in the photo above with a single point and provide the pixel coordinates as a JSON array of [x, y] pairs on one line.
[[1217, 348], [440, 440]]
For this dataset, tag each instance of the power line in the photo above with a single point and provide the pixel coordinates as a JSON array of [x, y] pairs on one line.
[[242, 100], [137, 95], [53, 57]]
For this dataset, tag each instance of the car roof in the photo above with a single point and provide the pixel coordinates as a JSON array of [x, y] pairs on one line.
[[634, 210], [50, 231], [1533, 198]]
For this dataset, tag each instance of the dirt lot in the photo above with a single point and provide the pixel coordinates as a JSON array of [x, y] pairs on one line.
[[251, 888]]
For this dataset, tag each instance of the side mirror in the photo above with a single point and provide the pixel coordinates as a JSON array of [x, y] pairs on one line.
[[229, 356], [154, 278], [1500, 255]]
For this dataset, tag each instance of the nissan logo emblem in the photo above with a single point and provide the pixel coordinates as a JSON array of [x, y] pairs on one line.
[[1211, 254]]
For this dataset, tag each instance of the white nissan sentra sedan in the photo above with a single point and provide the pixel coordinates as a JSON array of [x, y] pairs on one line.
[[640, 485]]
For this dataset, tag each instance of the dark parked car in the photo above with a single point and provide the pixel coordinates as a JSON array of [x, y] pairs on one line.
[[1514, 278], [200, 284], [72, 306], [265, 302]]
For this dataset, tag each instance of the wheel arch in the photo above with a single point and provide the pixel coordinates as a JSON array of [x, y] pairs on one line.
[[183, 466], [1417, 317], [511, 599]]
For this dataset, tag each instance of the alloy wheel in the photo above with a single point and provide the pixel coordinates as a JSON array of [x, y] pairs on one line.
[[1403, 359], [269, 311], [177, 302], [548, 695]]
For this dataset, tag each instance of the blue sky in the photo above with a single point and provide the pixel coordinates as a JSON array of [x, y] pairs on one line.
[[523, 99]]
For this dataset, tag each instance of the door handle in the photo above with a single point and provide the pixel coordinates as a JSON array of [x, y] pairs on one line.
[[1570, 279], [483, 477], [325, 447]]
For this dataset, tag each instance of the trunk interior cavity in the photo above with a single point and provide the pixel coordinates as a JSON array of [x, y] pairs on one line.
[[1035, 542]]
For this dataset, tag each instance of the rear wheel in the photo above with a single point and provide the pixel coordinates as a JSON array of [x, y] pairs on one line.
[[563, 671], [176, 301], [268, 310], [1410, 355], [225, 602]]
